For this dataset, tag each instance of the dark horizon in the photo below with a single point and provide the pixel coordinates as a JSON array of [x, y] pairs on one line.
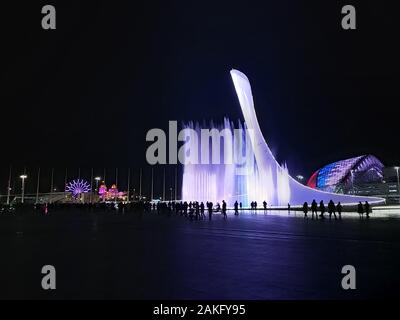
[[85, 94]]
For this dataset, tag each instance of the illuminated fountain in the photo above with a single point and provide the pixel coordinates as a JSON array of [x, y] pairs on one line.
[[215, 182], [259, 178]]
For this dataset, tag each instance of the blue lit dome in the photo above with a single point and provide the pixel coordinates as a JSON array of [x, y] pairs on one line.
[[340, 176]]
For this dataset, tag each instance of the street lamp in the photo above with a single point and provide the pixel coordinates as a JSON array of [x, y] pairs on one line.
[[352, 180], [398, 183], [23, 177], [300, 178], [97, 182]]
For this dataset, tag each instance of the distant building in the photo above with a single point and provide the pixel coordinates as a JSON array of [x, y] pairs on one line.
[[363, 176], [342, 176], [112, 193]]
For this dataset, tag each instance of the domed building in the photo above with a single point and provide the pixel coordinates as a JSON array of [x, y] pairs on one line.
[[342, 176]]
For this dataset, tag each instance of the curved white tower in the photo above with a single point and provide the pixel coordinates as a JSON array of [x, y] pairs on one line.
[[279, 186]]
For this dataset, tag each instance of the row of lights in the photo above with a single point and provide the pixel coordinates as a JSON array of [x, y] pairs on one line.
[[299, 177], [24, 176]]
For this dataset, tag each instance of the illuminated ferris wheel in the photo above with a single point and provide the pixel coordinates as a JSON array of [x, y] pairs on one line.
[[77, 187]]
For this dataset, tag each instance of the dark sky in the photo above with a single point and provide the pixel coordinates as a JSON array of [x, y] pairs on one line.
[[86, 93]]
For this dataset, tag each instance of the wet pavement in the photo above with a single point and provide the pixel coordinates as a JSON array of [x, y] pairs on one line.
[[273, 255]]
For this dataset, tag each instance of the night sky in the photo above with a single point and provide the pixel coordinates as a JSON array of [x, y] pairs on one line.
[[86, 93]]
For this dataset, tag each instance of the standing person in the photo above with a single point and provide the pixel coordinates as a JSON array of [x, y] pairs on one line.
[[331, 209], [224, 209], [367, 208], [305, 209], [360, 209], [236, 208], [210, 207], [288, 207], [314, 209], [197, 210], [202, 210], [240, 206], [322, 208], [339, 208], [265, 205]]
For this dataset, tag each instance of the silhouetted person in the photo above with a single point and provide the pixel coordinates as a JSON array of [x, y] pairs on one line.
[[339, 208], [367, 208], [236, 205], [331, 209], [202, 210], [265, 205], [224, 208], [360, 209], [191, 212], [288, 207], [197, 210], [255, 205], [314, 208], [322, 208], [305, 209], [240, 206], [210, 207]]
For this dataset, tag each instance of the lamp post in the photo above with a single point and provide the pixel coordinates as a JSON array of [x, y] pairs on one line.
[[23, 177], [9, 188], [97, 183], [140, 184], [352, 180], [97, 179], [398, 182], [300, 178], [152, 184], [129, 185], [37, 187]]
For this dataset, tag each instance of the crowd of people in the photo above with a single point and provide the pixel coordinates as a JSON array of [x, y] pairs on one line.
[[193, 209], [332, 209], [197, 210]]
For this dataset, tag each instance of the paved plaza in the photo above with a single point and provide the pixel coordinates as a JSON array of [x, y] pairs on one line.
[[272, 255]]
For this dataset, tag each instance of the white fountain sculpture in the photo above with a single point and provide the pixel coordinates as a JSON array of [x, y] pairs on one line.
[[259, 178], [283, 189]]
